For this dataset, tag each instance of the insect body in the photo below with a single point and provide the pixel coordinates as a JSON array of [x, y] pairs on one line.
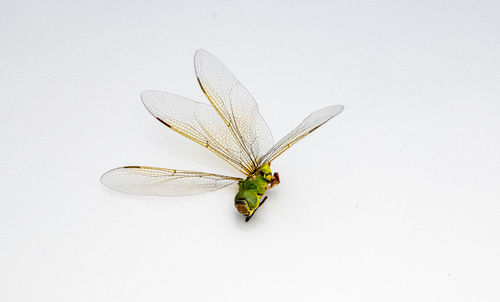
[[250, 190], [230, 126]]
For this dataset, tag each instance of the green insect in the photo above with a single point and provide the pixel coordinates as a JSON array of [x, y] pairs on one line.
[[230, 126]]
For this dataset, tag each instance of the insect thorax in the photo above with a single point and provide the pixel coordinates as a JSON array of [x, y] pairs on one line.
[[251, 190]]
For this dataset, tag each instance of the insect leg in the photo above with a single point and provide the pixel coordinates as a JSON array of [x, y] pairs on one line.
[[261, 203]]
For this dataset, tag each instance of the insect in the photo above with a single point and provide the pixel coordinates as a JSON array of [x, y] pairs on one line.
[[230, 126]]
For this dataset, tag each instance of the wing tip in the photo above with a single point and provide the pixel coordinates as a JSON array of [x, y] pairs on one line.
[[341, 108], [202, 55], [200, 52], [112, 171], [104, 177], [145, 94], [149, 99], [335, 109]]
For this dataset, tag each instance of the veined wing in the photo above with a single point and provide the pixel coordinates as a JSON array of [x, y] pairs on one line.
[[163, 182], [198, 122], [236, 107], [308, 125]]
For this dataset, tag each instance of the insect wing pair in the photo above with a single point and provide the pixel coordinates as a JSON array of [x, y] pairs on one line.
[[230, 126]]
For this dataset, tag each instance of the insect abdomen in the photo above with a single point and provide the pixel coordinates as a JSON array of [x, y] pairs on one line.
[[247, 199], [242, 207]]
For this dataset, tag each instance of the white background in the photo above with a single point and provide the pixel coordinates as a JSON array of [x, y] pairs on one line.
[[396, 199]]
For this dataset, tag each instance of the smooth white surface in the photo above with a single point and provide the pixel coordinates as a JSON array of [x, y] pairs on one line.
[[396, 199]]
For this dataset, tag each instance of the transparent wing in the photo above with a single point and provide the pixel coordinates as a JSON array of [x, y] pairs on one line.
[[198, 122], [236, 107], [163, 182], [308, 125]]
